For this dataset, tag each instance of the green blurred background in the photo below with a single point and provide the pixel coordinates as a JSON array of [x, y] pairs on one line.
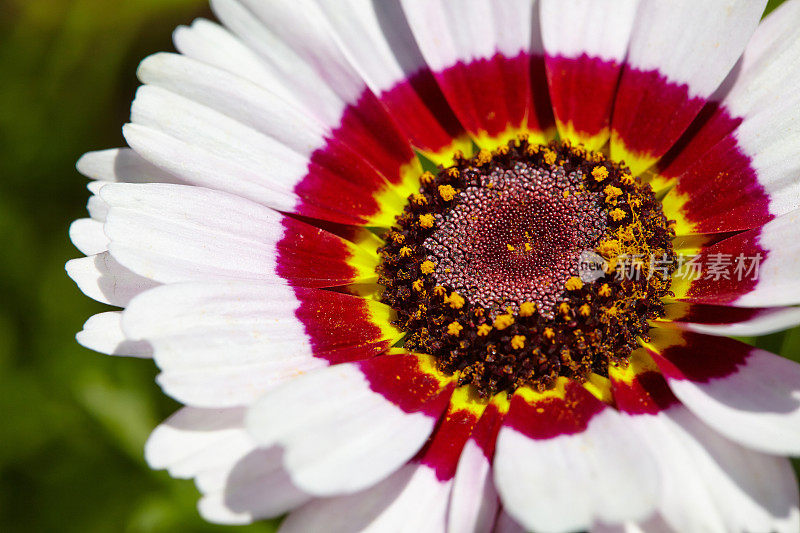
[[74, 422]]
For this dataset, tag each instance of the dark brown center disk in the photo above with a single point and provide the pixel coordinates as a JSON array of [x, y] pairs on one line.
[[515, 235], [482, 267]]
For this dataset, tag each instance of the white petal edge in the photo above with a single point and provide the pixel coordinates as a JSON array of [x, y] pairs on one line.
[[571, 28], [473, 500], [768, 321], [174, 233], [224, 343], [693, 42], [239, 482], [339, 435], [758, 405], [103, 333], [777, 283], [412, 500], [567, 482], [102, 278], [122, 165], [87, 235]]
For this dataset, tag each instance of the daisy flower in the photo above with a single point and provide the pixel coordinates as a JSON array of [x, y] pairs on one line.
[[465, 266]]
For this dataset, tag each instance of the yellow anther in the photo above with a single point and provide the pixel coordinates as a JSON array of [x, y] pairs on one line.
[[612, 311], [574, 284], [600, 173], [626, 179], [484, 157], [439, 290], [426, 221], [527, 308], [585, 310], [483, 330], [452, 172], [617, 214], [565, 194], [528, 247], [427, 267], [405, 251], [612, 193], [454, 300], [510, 247], [397, 237], [418, 285], [426, 178], [447, 192], [501, 322], [454, 328], [518, 342], [563, 308], [502, 150], [549, 333], [549, 156], [605, 290], [418, 199], [610, 248]]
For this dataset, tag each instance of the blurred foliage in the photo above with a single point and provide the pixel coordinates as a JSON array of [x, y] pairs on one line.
[[75, 422]]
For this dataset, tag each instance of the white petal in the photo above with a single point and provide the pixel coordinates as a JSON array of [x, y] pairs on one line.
[[712, 484], [198, 166], [506, 524], [225, 343], [236, 97], [654, 524], [103, 333], [567, 482], [122, 165], [412, 500], [194, 440], [339, 435], [769, 62], [770, 137], [88, 237], [101, 277], [777, 282], [753, 492], [747, 394], [449, 33], [692, 42], [749, 146], [759, 322], [177, 233], [679, 53], [571, 28], [294, 40], [376, 39], [96, 206], [269, 170], [214, 45], [256, 487], [221, 345], [473, 502], [240, 483]]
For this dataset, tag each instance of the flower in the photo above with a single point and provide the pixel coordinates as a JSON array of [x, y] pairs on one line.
[[365, 342]]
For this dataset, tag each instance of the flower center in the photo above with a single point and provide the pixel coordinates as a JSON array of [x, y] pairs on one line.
[[483, 268], [514, 234]]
